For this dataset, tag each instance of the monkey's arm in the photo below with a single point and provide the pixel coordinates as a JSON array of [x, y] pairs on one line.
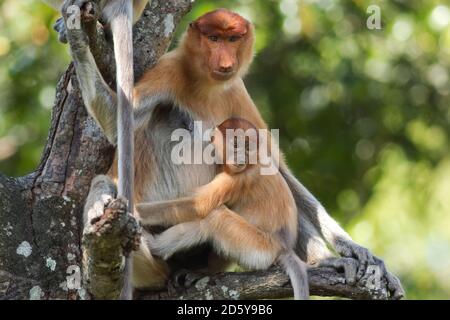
[[98, 97], [336, 236], [328, 228], [167, 213], [205, 199]]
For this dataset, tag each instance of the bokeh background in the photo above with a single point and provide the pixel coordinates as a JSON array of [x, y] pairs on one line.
[[363, 114]]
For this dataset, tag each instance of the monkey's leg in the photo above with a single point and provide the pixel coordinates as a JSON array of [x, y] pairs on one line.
[[167, 213], [149, 272], [330, 230], [234, 237]]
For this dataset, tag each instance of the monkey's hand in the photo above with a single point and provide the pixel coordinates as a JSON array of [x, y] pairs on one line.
[[168, 213], [368, 267], [79, 17]]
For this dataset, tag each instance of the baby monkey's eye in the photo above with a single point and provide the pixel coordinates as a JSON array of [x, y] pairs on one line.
[[213, 38]]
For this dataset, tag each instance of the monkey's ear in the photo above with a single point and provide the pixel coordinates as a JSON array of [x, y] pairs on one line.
[[193, 25]]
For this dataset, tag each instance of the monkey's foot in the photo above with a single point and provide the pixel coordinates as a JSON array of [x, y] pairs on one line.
[[184, 278], [118, 223], [370, 268], [394, 286]]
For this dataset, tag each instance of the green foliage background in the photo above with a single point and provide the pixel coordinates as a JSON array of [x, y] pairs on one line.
[[363, 114]]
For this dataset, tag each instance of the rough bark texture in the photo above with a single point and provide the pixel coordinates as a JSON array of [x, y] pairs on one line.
[[106, 243], [270, 284], [40, 214]]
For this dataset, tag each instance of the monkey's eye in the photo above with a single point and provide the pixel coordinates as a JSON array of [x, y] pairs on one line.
[[213, 38], [234, 38]]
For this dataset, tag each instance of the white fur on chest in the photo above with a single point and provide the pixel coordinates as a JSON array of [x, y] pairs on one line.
[[173, 180]]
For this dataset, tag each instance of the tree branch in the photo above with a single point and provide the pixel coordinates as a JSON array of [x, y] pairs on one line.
[[269, 284]]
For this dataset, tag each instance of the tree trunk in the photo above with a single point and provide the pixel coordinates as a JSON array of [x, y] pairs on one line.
[[40, 214]]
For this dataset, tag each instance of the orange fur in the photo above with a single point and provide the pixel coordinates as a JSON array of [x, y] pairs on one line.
[[259, 210], [207, 99], [204, 77]]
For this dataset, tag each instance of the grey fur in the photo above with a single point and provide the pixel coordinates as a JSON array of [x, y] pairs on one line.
[[121, 12], [297, 272], [121, 25]]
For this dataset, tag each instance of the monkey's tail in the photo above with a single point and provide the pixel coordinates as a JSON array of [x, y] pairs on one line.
[[297, 272], [121, 27]]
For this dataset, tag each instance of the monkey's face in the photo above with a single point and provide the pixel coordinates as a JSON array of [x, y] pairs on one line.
[[225, 43], [235, 142], [227, 152]]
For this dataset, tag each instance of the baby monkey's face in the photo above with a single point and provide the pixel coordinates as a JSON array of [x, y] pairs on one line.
[[235, 142]]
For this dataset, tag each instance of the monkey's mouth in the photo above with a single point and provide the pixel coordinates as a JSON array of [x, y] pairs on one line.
[[219, 75]]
